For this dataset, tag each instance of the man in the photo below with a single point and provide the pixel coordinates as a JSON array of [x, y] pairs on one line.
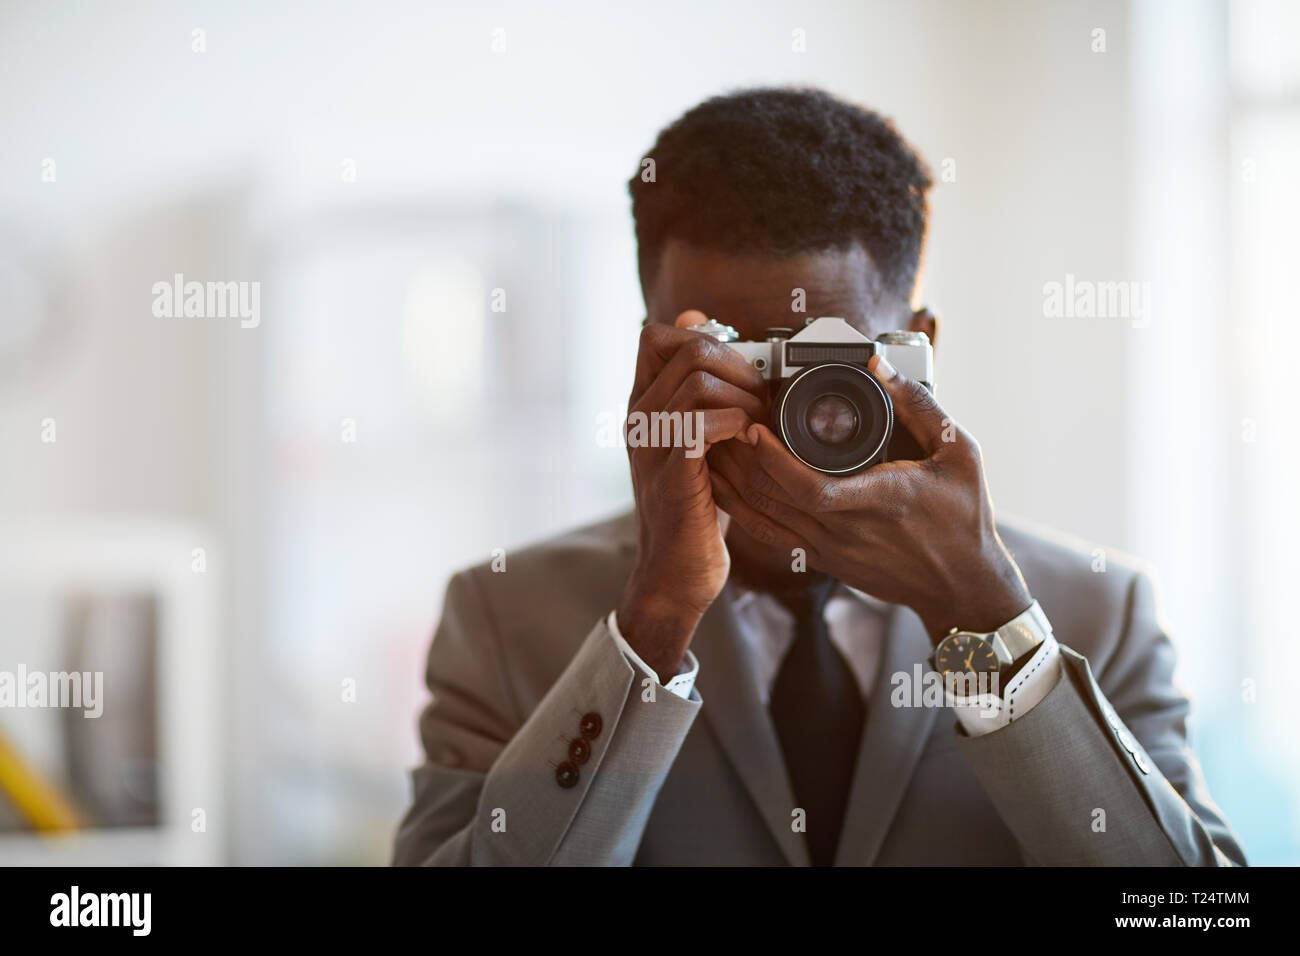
[[733, 673]]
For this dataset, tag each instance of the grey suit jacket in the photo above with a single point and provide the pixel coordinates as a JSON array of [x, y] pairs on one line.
[[1098, 773]]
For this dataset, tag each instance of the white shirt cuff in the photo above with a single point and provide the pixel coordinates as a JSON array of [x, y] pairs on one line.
[[984, 713], [681, 685]]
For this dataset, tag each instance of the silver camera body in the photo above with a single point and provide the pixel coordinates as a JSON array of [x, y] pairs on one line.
[[826, 407]]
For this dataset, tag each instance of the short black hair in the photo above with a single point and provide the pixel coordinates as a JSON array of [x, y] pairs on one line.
[[783, 171]]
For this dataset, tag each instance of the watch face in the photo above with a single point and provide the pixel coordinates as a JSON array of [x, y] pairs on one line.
[[965, 654]]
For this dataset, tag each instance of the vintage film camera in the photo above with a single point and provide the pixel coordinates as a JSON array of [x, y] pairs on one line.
[[826, 407]]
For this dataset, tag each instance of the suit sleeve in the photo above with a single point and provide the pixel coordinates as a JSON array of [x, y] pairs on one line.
[[1090, 778], [571, 783]]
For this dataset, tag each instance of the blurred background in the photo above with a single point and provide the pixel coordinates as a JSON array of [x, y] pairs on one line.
[[247, 527]]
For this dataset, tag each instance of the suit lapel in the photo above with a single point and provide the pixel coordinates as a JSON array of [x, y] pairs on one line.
[[893, 742], [891, 745], [741, 723]]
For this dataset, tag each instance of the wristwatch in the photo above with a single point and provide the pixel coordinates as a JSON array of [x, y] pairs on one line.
[[968, 653]]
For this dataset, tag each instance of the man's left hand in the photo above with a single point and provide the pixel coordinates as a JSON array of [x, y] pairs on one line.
[[918, 533]]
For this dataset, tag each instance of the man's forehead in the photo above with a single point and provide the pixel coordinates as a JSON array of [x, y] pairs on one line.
[[754, 291]]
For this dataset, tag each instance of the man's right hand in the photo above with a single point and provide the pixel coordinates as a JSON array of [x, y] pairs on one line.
[[682, 562]]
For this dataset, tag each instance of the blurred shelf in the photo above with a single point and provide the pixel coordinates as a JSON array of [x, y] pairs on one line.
[[132, 554]]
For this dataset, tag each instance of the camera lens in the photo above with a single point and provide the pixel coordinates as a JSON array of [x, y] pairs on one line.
[[834, 417], [831, 419]]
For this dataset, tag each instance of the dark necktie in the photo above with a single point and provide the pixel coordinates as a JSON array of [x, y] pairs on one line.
[[819, 713]]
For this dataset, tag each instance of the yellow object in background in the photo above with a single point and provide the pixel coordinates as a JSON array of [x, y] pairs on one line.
[[35, 797]]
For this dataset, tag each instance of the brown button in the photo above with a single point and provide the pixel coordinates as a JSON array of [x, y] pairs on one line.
[[566, 775], [579, 750], [590, 725]]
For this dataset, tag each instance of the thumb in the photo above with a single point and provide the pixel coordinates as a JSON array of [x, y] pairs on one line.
[[914, 404]]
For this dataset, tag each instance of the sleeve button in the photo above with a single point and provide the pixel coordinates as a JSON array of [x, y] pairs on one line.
[[566, 775], [579, 750], [590, 725]]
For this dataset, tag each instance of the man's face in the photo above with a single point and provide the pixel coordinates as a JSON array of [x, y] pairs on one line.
[[754, 292]]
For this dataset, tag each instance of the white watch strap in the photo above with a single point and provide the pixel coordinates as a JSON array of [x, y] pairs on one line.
[[984, 713], [1026, 631]]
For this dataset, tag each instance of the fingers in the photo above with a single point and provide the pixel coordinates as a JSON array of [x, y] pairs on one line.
[[740, 466], [884, 488], [761, 493], [684, 385], [915, 407], [715, 425], [660, 345], [702, 412], [692, 432], [805, 487], [758, 526]]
